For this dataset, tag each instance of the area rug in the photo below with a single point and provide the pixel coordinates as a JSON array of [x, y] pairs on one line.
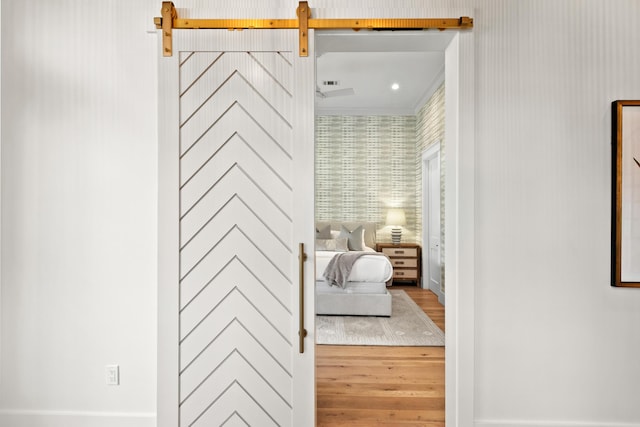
[[407, 326]]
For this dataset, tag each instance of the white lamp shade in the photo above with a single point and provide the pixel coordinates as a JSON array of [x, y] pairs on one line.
[[396, 217]]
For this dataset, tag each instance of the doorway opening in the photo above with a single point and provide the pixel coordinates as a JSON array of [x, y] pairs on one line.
[[359, 175]]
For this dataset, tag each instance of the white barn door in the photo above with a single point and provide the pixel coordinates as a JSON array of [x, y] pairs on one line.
[[235, 200]]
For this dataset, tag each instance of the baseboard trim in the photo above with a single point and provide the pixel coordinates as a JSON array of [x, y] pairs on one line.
[[439, 294], [516, 423], [441, 298], [34, 418]]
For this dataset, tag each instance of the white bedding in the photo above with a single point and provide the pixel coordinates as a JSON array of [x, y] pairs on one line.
[[368, 268]]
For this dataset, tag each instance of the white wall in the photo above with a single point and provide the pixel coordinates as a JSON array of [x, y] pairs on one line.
[[78, 212], [555, 344]]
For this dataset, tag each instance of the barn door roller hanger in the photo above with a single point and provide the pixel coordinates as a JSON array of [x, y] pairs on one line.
[[170, 20]]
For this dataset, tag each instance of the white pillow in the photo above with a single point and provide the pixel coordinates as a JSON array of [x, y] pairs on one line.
[[333, 245]]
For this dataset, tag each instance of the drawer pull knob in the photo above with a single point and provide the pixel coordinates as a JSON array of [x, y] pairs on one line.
[[399, 262], [399, 252]]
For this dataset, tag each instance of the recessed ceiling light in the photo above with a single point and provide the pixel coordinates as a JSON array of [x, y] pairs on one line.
[[395, 86]]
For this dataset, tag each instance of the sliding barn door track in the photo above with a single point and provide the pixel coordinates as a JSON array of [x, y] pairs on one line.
[[170, 20]]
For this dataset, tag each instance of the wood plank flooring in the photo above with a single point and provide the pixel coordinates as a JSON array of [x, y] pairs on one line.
[[359, 386]]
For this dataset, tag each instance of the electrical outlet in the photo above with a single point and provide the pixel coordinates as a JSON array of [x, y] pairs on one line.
[[112, 374]]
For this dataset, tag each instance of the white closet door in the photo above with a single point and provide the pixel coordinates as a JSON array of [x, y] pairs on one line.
[[235, 199]]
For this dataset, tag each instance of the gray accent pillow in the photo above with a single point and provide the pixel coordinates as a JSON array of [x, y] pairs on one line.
[[355, 238], [323, 232], [334, 245]]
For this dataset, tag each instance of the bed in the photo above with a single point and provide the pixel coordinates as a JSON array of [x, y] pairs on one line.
[[363, 292]]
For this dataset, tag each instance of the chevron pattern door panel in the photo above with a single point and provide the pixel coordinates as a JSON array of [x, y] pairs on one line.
[[236, 243]]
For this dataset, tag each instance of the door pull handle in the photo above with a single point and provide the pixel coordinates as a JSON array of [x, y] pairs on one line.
[[302, 257]]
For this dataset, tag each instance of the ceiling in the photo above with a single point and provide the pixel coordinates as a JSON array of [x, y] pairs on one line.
[[369, 62]]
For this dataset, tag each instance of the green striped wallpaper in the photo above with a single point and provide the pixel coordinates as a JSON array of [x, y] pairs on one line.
[[364, 165]]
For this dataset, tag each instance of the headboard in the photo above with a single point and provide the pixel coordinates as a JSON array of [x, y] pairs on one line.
[[369, 229]]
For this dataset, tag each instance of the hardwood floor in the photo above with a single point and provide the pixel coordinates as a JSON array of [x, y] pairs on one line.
[[361, 386]]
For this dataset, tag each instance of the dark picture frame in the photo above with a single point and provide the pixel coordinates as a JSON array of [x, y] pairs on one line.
[[625, 235]]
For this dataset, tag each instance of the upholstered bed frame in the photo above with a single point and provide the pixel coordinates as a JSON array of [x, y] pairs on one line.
[[353, 304], [347, 302]]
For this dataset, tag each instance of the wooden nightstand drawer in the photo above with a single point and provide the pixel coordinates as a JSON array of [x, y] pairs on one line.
[[404, 262], [399, 273], [408, 252], [405, 259]]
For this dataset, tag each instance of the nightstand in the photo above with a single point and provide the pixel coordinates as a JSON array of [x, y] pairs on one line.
[[405, 259]]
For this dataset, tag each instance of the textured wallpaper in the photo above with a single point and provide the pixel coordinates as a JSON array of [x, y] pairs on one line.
[[364, 165]]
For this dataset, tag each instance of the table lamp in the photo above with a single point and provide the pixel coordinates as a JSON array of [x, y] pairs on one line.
[[396, 219]]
